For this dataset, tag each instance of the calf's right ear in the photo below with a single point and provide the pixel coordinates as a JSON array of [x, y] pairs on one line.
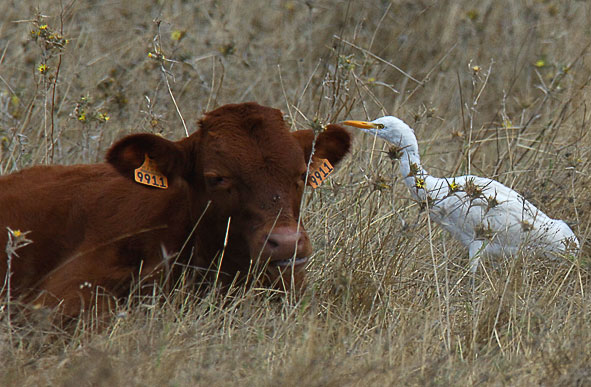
[[331, 144], [130, 152]]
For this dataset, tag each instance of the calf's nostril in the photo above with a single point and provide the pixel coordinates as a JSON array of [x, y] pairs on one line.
[[273, 243]]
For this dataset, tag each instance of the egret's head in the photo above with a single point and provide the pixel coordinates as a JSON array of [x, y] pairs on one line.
[[389, 128]]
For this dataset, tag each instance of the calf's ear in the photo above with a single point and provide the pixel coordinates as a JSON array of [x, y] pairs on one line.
[[332, 144], [129, 153]]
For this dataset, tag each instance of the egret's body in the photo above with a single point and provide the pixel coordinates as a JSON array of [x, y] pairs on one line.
[[488, 217]]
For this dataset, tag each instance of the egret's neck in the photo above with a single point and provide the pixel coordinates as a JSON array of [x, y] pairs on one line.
[[410, 166]]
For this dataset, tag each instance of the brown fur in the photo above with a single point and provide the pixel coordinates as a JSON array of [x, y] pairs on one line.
[[93, 227]]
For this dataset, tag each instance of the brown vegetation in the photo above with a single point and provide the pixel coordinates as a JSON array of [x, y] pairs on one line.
[[499, 89]]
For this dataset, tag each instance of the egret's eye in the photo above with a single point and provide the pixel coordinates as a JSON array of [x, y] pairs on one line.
[[379, 126]]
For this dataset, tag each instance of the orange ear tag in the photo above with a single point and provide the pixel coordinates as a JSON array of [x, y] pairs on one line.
[[319, 172], [148, 174]]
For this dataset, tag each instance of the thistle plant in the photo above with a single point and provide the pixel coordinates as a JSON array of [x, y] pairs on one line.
[[52, 43], [16, 240]]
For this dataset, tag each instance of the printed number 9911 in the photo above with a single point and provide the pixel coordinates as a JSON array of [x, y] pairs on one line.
[[147, 178], [317, 176]]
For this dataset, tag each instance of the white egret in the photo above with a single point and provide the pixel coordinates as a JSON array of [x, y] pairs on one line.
[[488, 217]]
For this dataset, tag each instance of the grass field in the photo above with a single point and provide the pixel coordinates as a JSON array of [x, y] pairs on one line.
[[494, 88]]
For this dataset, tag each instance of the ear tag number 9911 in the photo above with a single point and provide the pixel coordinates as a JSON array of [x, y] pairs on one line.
[[319, 172], [148, 174]]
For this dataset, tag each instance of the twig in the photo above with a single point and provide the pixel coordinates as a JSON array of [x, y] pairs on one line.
[[54, 86], [158, 49], [380, 59]]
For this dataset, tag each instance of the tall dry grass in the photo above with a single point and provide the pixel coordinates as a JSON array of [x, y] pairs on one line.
[[495, 88]]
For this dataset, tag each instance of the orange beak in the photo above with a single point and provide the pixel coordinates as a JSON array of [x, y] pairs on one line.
[[360, 124]]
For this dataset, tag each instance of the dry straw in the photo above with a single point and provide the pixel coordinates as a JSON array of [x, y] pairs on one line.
[[499, 89]]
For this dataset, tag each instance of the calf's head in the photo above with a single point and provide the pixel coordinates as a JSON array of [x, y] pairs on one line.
[[252, 171]]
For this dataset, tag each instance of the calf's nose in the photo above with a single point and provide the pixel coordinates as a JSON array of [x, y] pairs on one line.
[[284, 242]]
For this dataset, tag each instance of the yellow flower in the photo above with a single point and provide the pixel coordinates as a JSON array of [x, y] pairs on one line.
[[419, 183], [82, 117], [43, 27], [472, 14], [15, 101], [476, 69], [371, 80], [103, 117], [453, 186], [17, 233], [540, 63], [42, 68], [156, 55], [177, 35]]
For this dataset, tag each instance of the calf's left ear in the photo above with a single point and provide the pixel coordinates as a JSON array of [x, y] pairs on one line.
[[129, 153], [332, 144]]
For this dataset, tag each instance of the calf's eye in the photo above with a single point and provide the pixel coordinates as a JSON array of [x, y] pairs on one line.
[[217, 181], [302, 179]]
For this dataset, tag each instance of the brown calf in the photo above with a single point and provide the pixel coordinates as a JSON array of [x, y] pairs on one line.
[[233, 192]]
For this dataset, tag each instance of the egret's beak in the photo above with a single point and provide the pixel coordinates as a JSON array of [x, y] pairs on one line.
[[361, 124]]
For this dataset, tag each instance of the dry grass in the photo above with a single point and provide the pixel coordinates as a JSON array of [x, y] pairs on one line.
[[496, 88]]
